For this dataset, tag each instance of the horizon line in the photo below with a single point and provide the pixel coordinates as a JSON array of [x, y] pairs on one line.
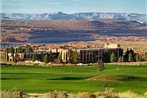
[[74, 12]]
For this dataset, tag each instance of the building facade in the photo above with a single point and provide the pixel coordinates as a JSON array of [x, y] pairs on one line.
[[83, 55], [92, 55]]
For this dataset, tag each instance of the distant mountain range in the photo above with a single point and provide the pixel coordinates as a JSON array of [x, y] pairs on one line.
[[142, 18]]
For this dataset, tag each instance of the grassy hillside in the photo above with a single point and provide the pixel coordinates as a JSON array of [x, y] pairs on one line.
[[74, 79]]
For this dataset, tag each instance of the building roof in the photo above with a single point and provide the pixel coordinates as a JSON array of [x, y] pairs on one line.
[[98, 48]]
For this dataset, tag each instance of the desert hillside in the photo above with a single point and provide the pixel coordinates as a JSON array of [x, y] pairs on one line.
[[25, 30]]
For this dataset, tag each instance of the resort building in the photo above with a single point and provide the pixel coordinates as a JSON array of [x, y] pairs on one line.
[[84, 55], [92, 55]]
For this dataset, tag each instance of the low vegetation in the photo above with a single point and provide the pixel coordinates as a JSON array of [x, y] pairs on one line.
[[107, 93]]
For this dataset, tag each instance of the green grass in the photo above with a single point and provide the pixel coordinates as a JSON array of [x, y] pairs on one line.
[[73, 78]]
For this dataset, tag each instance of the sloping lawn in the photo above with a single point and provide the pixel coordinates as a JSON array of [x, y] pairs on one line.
[[74, 78]]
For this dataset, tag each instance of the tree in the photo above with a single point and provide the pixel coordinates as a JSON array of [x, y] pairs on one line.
[[113, 58], [145, 56], [58, 59], [41, 55], [106, 57], [16, 58], [100, 65], [121, 52], [10, 50], [137, 57], [20, 49], [130, 58], [69, 55], [46, 58], [121, 59], [29, 48], [34, 57], [73, 57], [129, 55]]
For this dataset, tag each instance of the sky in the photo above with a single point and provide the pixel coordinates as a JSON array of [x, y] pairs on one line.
[[73, 6]]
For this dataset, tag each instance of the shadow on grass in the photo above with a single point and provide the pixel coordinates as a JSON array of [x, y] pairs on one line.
[[120, 78], [10, 78], [5, 65], [70, 78], [22, 73], [131, 78]]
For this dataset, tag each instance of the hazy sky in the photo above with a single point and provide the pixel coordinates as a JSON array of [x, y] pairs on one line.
[[72, 6]]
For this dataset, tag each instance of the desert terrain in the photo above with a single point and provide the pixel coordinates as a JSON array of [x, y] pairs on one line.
[[75, 33]]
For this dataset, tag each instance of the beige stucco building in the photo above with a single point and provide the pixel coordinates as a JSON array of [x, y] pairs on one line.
[[92, 55]]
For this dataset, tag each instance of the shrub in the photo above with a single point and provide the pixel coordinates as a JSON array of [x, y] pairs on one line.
[[145, 95], [107, 93], [113, 57], [100, 65], [85, 95], [46, 59], [58, 94], [11, 94], [129, 95]]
